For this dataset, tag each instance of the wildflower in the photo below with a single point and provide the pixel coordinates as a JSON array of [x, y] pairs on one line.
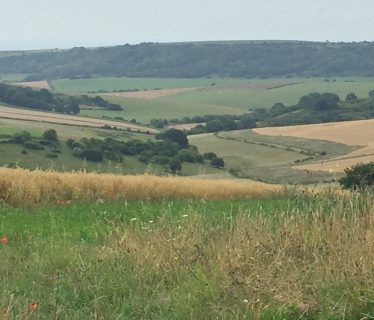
[[245, 300], [150, 221], [133, 219], [4, 240], [33, 306], [185, 216]]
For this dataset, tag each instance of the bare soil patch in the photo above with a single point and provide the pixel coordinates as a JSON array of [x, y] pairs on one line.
[[355, 133], [149, 94], [185, 126], [34, 84], [24, 114]]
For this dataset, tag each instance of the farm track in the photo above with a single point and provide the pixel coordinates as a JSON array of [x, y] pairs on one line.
[[24, 114]]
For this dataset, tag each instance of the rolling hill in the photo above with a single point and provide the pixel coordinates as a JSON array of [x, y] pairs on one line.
[[198, 59]]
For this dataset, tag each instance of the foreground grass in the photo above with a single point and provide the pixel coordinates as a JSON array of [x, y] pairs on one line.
[[290, 257]]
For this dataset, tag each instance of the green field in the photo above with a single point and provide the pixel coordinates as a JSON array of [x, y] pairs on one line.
[[228, 96], [270, 158], [289, 257]]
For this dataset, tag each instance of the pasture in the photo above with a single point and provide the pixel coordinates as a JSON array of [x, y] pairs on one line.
[[226, 96], [91, 251]]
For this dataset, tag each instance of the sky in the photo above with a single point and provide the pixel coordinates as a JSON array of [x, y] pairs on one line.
[[42, 24]]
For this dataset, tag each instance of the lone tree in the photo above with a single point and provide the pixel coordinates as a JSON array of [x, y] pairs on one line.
[[350, 97], [50, 135], [217, 163], [174, 135], [358, 177]]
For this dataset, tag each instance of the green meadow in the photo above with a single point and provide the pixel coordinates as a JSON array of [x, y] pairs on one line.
[[290, 256]]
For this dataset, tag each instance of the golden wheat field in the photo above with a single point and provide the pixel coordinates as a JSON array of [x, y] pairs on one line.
[[355, 133], [19, 186]]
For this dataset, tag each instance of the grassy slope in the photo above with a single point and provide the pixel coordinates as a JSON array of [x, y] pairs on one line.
[[12, 153], [228, 96], [252, 259]]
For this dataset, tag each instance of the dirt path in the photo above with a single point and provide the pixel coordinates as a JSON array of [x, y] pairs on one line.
[[24, 114]]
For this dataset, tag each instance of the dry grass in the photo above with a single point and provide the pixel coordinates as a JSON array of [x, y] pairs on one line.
[[294, 260], [150, 94], [25, 114], [22, 187], [355, 133]]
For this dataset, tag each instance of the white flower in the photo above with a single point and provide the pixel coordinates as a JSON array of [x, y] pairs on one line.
[[245, 301], [133, 219], [150, 221], [185, 216]]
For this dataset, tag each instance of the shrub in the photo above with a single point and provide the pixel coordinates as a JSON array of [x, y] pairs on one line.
[[360, 176], [92, 155], [50, 135], [217, 163], [209, 155], [51, 155], [33, 145]]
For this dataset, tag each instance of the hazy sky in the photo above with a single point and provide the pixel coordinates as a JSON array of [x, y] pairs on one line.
[[32, 24]]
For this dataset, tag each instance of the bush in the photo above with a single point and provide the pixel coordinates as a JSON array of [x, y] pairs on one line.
[[209, 155], [175, 165], [92, 155], [217, 163], [50, 135], [21, 137], [33, 145], [360, 176], [51, 155]]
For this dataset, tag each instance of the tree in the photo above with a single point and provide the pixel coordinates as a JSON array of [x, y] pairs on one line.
[[246, 122], [371, 94], [92, 155], [174, 135], [175, 165], [50, 135], [350, 97], [209, 155], [360, 176], [217, 163]]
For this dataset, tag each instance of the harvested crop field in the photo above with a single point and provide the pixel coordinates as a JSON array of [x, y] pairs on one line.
[[150, 94], [354, 133], [34, 84], [24, 114]]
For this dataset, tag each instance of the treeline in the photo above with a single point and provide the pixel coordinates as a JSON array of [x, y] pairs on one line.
[[192, 60], [211, 123], [316, 108], [170, 151], [45, 100]]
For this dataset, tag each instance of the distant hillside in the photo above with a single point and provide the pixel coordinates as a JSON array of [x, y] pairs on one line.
[[202, 59]]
